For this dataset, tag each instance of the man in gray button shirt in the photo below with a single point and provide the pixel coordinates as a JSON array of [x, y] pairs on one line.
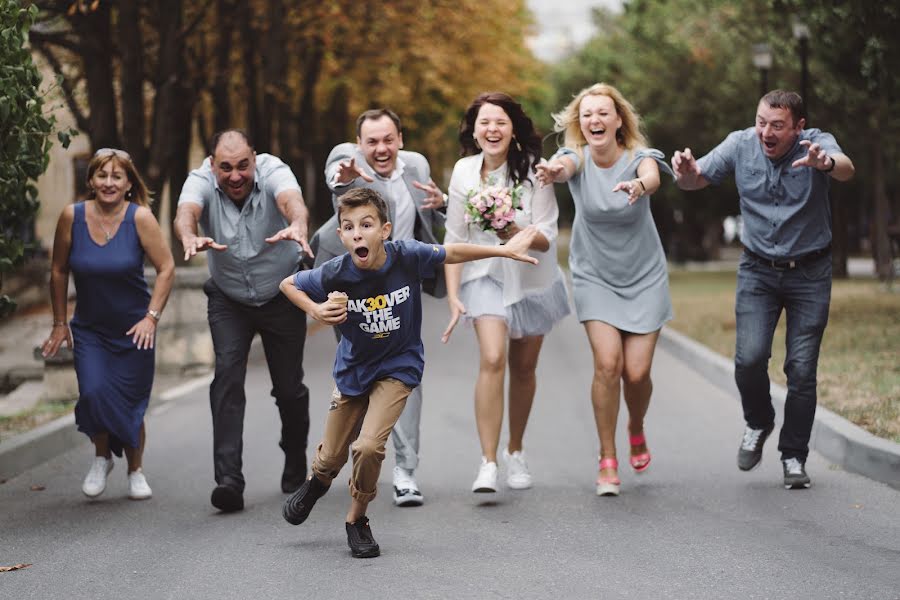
[[403, 179], [782, 172], [252, 213]]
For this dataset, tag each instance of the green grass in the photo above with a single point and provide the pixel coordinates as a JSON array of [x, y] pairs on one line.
[[859, 370], [37, 416]]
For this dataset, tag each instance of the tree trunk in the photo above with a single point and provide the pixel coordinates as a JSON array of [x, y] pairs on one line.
[[274, 76], [132, 82], [249, 54], [881, 248], [95, 32], [168, 92], [839, 222], [221, 100]]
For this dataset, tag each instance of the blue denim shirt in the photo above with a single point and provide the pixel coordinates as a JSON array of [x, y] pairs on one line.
[[250, 270], [785, 209]]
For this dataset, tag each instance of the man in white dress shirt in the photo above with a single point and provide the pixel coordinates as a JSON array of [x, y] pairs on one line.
[[415, 206]]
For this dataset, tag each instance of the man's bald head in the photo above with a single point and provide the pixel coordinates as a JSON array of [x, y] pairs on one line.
[[233, 163]]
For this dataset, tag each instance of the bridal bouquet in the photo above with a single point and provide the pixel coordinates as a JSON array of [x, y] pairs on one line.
[[493, 207]]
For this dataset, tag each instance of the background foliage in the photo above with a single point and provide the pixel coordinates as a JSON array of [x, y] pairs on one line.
[[24, 132], [151, 75]]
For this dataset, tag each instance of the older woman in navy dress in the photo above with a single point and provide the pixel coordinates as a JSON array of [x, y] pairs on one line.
[[103, 241]]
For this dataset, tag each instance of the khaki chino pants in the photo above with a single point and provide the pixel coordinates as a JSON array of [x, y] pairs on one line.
[[382, 407]]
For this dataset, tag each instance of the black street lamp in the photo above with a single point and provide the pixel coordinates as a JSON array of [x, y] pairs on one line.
[[801, 34], [762, 60]]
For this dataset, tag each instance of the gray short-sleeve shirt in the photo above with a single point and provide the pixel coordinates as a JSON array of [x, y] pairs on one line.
[[785, 209], [250, 270]]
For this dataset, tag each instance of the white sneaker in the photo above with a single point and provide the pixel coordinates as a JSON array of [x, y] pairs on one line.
[[518, 477], [95, 481], [137, 486], [486, 482], [406, 492]]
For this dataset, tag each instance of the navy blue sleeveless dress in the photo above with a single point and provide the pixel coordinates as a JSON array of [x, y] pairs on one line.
[[114, 377]]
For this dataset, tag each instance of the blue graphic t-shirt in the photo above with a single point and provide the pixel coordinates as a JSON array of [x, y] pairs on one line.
[[382, 336]]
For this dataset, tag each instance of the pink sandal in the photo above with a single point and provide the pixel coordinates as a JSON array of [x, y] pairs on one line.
[[639, 462], [608, 485]]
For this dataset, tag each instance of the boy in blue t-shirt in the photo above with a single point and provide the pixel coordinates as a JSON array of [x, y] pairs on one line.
[[373, 295]]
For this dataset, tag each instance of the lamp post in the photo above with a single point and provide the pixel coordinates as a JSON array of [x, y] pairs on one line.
[[762, 60], [801, 34]]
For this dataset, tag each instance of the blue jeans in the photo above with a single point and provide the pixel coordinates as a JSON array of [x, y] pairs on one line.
[[804, 293]]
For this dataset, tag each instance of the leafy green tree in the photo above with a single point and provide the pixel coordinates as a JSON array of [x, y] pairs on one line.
[[24, 143]]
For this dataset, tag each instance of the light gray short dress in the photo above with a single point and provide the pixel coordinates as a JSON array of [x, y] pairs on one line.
[[619, 273]]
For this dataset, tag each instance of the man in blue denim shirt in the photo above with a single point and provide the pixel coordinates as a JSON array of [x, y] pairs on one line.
[[782, 172]]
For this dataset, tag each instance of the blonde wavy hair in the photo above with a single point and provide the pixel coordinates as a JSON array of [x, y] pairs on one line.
[[567, 121], [139, 194]]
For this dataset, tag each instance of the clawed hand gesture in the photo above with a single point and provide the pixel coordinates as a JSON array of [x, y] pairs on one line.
[[348, 171], [633, 188], [434, 198], [295, 232], [816, 157], [687, 171], [199, 244], [547, 172]]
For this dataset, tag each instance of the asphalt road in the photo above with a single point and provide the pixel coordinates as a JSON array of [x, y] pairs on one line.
[[692, 527]]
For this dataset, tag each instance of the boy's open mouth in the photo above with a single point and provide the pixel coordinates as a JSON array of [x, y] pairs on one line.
[[362, 252]]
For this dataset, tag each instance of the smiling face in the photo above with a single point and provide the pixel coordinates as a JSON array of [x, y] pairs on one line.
[[493, 131], [776, 130], [599, 120], [234, 165], [363, 234], [110, 182], [380, 142]]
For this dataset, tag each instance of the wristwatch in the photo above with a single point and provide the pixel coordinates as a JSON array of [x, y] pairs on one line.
[[831, 168], [154, 314]]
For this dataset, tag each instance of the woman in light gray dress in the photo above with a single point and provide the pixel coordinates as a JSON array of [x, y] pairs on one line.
[[619, 274]]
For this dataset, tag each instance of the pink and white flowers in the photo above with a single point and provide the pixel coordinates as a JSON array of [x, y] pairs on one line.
[[493, 207]]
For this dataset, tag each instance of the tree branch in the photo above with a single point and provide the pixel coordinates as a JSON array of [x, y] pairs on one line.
[[67, 86], [189, 29], [57, 39]]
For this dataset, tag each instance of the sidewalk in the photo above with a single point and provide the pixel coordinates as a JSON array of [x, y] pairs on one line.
[[21, 371]]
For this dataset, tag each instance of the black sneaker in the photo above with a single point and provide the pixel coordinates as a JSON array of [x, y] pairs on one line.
[[227, 499], [750, 452], [360, 540], [795, 477], [294, 473], [298, 505]]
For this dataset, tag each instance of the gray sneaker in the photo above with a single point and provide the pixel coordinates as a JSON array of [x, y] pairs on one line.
[[795, 477], [751, 450]]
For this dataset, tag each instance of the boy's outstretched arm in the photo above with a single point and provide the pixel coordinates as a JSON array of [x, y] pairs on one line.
[[516, 248], [328, 312]]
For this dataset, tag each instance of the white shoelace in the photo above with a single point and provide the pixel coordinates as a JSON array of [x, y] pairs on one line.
[[751, 438], [793, 466]]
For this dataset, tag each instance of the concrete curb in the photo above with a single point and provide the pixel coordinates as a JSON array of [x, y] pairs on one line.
[[835, 438], [27, 450]]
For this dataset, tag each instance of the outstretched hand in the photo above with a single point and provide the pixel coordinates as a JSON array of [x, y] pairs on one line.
[[547, 172], [348, 171], [295, 232], [199, 244], [633, 188], [816, 157], [518, 245], [685, 166], [457, 309], [434, 196]]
